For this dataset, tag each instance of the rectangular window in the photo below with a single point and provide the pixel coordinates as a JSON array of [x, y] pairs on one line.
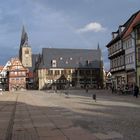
[[119, 45], [131, 59], [23, 73], [116, 46], [69, 72], [118, 61], [121, 60], [50, 72], [56, 72], [26, 51], [138, 33], [62, 72], [46, 72], [113, 63], [138, 54], [126, 61], [111, 50]]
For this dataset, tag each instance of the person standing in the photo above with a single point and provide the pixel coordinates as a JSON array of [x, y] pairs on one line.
[[136, 91]]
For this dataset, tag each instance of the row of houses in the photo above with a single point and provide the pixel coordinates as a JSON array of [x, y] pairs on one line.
[[57, 68], [124, 53]]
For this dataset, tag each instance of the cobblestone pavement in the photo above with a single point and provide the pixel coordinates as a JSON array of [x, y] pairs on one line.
[[69, 115]]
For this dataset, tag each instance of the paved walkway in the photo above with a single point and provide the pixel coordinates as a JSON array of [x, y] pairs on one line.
[[36, 115]]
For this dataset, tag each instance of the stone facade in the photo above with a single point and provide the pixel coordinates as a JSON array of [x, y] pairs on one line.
[[26, 56]]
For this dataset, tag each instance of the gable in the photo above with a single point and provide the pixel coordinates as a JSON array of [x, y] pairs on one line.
[[130, 28], [16, 65]]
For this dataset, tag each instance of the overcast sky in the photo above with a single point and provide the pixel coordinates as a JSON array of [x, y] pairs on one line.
[[61, 24]]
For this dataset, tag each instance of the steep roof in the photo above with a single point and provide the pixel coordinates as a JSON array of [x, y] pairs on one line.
[[127, 29], [134, 22], [24, 37], [70, 58], [16, 65]]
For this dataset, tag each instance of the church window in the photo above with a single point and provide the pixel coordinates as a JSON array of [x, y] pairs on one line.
[[26, 51]]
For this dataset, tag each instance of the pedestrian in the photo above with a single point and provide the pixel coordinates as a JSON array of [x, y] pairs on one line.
[[112, 89], [136, 91], [94, 97], [55, 89], [86, 89]]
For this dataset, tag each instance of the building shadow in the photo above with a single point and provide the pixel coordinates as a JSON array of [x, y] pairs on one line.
[[21, 120]]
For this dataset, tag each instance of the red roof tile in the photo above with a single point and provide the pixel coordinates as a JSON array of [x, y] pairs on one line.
[[1, 67], [134, 22]]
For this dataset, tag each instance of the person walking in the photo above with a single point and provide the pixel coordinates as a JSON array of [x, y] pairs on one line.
[[86, 89], [112, 89], [94, 97], [136, 91]]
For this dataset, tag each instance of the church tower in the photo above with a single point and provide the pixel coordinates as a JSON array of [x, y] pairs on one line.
[[25, 52]]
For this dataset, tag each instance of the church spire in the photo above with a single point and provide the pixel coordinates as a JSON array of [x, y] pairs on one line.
[[98, 46], [24, 37], [25, 52], [100, 52]]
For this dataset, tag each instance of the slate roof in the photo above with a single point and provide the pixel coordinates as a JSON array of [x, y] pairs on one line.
[[70, 58], [34, 60], [128, 28]]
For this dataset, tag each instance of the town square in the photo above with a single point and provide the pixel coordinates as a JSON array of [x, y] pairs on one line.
[[70, 70], [42, 115]]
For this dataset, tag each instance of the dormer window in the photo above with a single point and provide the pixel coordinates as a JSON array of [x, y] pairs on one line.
[[53, 63], [114, 35], [61, 58], [121, 29], [87, 62]]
